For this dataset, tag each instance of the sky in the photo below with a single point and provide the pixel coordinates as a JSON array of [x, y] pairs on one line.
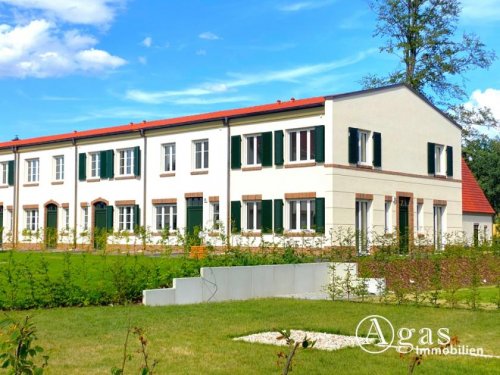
[[70, 65]]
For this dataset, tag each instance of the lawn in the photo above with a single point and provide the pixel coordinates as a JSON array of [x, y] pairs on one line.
[[197, 339]]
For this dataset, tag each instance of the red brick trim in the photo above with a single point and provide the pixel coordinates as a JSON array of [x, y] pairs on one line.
[[65, 205], [194, 195], [195, 173], [439, 202], [10, 208], [307, 195], [129, 202], [84, 204], [167, 174], [388, 198], [106, 202], [301, 165], [51, 202], [57, 183], [31, 184], [93, 179], [366, 197], [164, 201], [126, 178], [420, 200], [213, 199], [247, 169], [254, 197], [30, 207]]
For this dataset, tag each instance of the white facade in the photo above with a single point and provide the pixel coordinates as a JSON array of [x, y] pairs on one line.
[[309, 173], [478, 227]]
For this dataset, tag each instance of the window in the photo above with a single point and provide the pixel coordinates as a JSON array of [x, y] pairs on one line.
[[59, 168], [438, 227], [214, 213], [420, 218], [302, 145], [169, 157], [66, 218], [254, 215], [440, 163], [95, 165], [363, 137], [33, 174], [476, 235], [126, 218], [126, 166], [302, 214], [254, 149], [85, 218], [4, 173], [388, 217], [362, 226], [32, 219], [201, 154], [166, 217]]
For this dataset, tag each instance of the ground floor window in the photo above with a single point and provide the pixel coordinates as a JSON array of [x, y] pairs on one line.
[[302, 214], [166, 217], [32, 219], [66, 218], [126, 218], [388, 217], [85, 218], [214, 213], [438, 227], [362, 226], [420, 217], [254, 215]]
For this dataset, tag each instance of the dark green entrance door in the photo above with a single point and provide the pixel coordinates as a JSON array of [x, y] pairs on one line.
[[1, 225], [404, 224], [101, 224], [51, 227], [194, 215]]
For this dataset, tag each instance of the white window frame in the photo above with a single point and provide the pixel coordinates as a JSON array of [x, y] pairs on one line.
[[85, 218], [361, 204], [215, 215], [126, 218], [59, 168], [125, 162], [33, 170], [164, 211], [65, 213], [253, 158], [169, 157], [310, 155], [4, 173], [420, 217], [203, 152], [253, 208], [95, 164], [32, 219], [310, 205], [388, 217], [439, 160], [364, 146]]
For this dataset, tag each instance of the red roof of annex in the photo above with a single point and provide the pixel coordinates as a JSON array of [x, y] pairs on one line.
[[473, 198]]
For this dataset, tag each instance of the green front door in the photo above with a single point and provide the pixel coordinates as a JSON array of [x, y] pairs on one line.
[[194, 215], [51, 227], [100, 225], [404, 224]]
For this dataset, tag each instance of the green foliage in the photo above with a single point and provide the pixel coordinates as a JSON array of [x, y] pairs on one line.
[[286, 359], [17, 349]]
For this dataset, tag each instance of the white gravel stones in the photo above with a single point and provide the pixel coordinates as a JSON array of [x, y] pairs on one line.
[[324, 341]]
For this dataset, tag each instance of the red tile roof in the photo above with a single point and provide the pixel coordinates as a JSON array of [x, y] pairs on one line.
[[473, 198], [192, 119]]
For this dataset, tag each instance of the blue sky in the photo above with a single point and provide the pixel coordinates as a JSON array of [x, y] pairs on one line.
[[77, 64]]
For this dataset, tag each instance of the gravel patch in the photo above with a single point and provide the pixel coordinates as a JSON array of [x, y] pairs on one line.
[[324, 341]]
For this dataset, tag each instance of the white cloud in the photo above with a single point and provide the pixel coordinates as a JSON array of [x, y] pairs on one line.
[[39, 49], [304, 5], [147, 42], [482, 11], [488, 98], [142, 60], [208, 36], [87, 12], [238, 80]]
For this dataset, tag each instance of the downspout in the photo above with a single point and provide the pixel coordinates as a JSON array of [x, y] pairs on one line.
[[228, 182], [75, 205], [144, 177], [15, 209]]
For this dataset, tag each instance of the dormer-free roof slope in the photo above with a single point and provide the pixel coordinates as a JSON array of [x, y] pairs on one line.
[[473, 199]]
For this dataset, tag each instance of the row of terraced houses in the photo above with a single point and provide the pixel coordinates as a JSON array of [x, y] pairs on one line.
[[375, 161]]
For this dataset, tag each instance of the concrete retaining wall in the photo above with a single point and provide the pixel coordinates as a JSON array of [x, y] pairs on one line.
[[307, 280]]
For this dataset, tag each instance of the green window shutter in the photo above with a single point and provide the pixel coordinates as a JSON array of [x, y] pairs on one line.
[[109, 218], [319, 143], [137, 216], [449, 161], [320, 215], [278, 216], [279, 138], [235, 216], [236, 152], [137, 161], [377, 149], [431, 166], [110, 164], [267, 149], [103, 164], [12, 172], [353, 146], [267, 216], [82, 166]]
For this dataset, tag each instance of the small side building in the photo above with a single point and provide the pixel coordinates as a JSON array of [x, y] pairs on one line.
[[477, 213]]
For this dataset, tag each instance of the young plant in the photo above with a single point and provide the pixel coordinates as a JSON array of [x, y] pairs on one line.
[[285, 359]]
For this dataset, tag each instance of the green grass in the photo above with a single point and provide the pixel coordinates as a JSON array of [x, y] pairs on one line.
[[197, 339]]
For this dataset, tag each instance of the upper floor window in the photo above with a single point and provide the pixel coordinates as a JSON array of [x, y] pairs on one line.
[[126, 218], [363, 146], [4, 173], [33, 170], [126, 160], [166, 217], [439, 161], [95, 164], [169, 157], [302, 214], [59, 168], [301, 145], [254, 215], [253, 149], [201, 154], [32, 219]]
